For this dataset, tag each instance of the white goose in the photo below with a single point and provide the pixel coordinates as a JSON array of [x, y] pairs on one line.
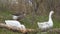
[[14, 23], [48, 24]]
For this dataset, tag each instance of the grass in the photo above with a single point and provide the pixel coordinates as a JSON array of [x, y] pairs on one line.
[[26, 21]]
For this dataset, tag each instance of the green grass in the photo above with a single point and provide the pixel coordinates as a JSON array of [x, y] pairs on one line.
[[5, 31], [4, 15], [26, 21]]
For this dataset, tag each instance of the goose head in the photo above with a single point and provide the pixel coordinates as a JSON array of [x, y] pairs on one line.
[[51, 12], [15, 17]]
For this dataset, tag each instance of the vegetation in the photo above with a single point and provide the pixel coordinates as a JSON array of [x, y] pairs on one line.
[[34, 13]]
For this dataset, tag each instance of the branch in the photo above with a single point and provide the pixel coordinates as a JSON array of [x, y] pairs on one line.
[[13, 28]]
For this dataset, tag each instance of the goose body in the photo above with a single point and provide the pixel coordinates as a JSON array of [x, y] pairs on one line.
[[14, 23], [46, 25]]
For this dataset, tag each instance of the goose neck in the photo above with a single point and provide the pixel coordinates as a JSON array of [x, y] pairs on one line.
[[50, 18]]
